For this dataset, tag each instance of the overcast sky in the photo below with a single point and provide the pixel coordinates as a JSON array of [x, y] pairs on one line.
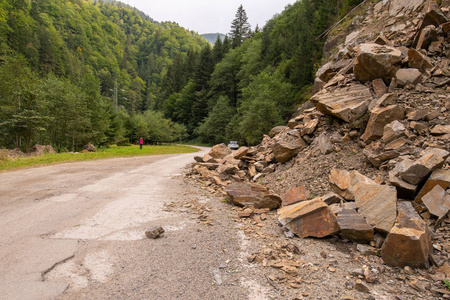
[[209, 16]]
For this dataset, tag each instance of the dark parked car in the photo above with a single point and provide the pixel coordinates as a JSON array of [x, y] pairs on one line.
[[233, 145]]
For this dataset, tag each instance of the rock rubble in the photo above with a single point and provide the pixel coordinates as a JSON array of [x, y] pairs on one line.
[[375, 135]]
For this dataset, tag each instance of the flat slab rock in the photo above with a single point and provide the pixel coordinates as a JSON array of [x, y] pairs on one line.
[[437, 202], [377, 204], [348, 103], [344, 181], [431, 159], [438, 177], [409, 242], [312, 218], [252, 195], [354, 227]]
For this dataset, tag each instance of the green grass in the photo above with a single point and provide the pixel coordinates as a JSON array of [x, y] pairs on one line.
[[118, 151]]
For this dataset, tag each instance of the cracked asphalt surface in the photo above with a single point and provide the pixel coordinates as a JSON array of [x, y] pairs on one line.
[[77, 231]]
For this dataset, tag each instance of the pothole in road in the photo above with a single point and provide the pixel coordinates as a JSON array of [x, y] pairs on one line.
[[96, 267]]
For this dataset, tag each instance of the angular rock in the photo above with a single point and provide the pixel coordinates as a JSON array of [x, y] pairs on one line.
[[396, 144], [405, 190], [343, 182], [375, 61], [377, 204], [198, 159], [408, 76], [385, 100], [295, 195], [241, 152], [440, 130], [426, 37], [252, 195], [318, 85], [228, 168], [403, 6], [209, 159], [377, 158], [354, 227], [323, 143], [379, 87], [277, 130], [417, 114], [380, 117], [418, 61], [438, 177], [260, 165], [332, 198], [348, 103], [288, 145], [219, 151], [437, 202], [329, 70], [309, 127], [409, 242], [154, 233], [393, 131], [89, 147], [309, 218], [48, 149], [431, 159]]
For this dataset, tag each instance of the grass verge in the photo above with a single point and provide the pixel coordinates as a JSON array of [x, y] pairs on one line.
[[113, 152]]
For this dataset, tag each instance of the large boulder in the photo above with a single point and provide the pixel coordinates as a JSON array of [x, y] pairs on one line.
[[377, 155], [393, 131], [329, 70], [277, 130], [380, 117], [252, 195], [405, 190], [348, 103], [437, 201], [219, 151], [375, 61], [295, 195], [418, 61], [309, 218], [397, 7], [431, 159], [288, 145], [377, 204], [354, 227], [344, 181], [440, 130], [426, 37], [409, 242], [408, 76], [438, 177], [41, 150]]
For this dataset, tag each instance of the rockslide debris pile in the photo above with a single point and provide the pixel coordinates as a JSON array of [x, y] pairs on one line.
[[384, 93]]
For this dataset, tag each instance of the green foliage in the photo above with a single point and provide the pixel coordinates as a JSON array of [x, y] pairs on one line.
[[265, 103], [213, 129], [447, 284], [62, 62], [240, 28]]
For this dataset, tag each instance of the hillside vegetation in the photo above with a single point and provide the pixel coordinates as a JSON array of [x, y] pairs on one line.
[[77, 71]]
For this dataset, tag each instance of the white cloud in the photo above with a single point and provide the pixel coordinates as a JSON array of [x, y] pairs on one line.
[[209, 16]]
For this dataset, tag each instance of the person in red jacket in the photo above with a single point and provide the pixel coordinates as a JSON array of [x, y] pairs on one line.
[[141, 142]]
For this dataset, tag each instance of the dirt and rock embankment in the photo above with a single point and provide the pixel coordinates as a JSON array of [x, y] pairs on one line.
[[364, 165]]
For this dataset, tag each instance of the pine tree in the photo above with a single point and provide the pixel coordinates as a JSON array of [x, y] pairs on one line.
[[240, 28]]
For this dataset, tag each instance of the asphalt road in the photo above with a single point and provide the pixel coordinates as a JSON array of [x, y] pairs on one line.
[[77, 231]]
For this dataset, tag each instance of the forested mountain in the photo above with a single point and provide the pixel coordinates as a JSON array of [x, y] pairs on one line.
[[78, 71], [60, 56], [257, 78], [212, 37]]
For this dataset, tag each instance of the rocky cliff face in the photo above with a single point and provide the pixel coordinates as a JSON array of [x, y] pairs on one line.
[[368, 158]]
